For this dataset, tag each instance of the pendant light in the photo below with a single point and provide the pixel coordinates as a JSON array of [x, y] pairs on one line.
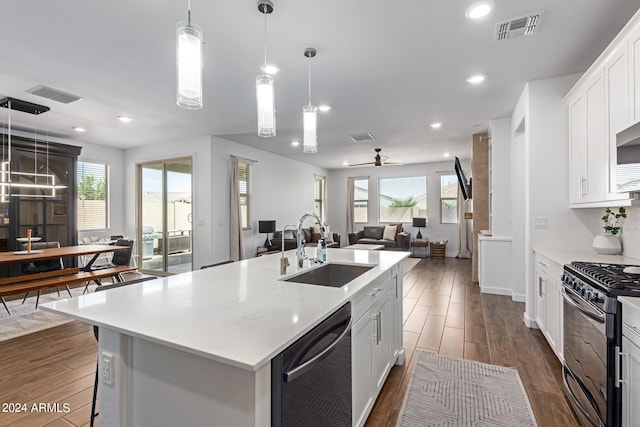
[[310, 115], [265, 94], [189, 64]]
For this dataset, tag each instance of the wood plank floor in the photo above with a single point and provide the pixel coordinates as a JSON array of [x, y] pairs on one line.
[[444, 312]]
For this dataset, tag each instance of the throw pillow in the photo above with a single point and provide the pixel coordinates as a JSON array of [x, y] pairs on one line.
[[399, 230], [327, 233], [390, 232]]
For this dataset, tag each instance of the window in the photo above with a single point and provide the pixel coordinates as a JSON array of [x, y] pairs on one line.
[[244, 173], [361, 200], [448, 199], [93, 210], [319, 189], [402, 199]]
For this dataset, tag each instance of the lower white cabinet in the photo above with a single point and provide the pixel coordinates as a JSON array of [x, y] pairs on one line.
[[376, 342], [631, 384], [630, 361], [548, 289]]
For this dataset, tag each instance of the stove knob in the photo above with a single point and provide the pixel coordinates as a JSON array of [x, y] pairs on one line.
[[583, 291], [587, 296]]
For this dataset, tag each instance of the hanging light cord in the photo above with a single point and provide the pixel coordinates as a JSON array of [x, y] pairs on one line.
[[264, 12], [188, 13], [309, 57]]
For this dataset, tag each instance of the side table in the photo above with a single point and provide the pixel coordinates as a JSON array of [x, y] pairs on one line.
[[424, 244]]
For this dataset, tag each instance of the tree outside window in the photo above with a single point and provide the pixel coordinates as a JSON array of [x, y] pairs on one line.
[[92, 185], [448, 199], [402, 199]]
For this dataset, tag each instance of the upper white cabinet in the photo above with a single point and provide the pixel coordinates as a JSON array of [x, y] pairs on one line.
[[605, 101], [587, 140], [634, 63]]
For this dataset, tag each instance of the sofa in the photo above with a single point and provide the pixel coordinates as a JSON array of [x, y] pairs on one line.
[[375, 235], [310, 237]]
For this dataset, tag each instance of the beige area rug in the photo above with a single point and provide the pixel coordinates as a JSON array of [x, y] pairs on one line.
[[445, 391], [25, 318]]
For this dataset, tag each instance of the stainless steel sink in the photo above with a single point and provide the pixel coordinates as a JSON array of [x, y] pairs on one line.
[[335, 275]]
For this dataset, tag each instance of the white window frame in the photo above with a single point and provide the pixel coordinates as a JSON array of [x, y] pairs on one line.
[[355, 201], [107, 201], [426, 192], [246, 223], [443, 199]]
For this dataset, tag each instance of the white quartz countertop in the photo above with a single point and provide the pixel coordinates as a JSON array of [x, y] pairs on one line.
[[565, 256], [240, 313]]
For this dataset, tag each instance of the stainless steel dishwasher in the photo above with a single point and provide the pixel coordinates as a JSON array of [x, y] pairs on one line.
[[311, 379]]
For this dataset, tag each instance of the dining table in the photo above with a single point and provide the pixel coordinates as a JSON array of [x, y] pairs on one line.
[[61, 252]]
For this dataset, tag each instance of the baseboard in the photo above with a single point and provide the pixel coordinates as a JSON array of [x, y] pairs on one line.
[[519, 297], [495, 291], [530, 322]]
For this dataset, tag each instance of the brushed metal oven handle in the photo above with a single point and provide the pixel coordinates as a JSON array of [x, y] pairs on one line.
[[591, 314], [565, 372]]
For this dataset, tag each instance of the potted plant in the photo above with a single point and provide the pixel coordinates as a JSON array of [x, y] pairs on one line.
[[608, 243]]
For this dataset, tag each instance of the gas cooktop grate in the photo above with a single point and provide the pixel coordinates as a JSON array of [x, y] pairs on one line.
[[609, 275]]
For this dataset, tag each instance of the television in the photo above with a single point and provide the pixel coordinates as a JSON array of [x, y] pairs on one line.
[[465, 186]]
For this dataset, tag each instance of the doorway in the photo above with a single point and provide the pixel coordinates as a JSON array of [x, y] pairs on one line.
[[165, 228]]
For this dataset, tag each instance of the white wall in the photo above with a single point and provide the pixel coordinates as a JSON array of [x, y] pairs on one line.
[[630, 232], [500, 176], [281, 189], [337, 188]]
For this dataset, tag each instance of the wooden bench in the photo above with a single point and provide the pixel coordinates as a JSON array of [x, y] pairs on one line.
[[55, 278]]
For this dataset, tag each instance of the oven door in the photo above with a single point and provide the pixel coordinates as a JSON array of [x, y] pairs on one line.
[[585, 353]]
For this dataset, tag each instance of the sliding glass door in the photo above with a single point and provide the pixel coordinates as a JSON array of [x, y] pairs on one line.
[[165, 216]]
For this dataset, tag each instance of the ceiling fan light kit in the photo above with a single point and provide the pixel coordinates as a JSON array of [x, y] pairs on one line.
[[265, 91], [189, 64]]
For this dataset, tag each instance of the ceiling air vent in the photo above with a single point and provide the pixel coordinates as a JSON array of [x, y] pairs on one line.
[[359, 137], [54, 94], [518, 27]]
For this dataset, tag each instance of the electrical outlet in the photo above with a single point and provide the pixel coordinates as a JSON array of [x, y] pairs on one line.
[[108, 368], [540, 222]]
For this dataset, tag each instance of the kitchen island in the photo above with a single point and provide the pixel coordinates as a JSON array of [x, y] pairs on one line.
[[196, 348]]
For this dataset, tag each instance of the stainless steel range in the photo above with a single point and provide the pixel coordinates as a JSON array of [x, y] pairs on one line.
[[592, 337]]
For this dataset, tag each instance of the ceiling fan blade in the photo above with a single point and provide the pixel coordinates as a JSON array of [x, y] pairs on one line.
[[392, 164], [363, 164]]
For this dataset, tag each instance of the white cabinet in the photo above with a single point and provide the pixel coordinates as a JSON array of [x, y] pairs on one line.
[[618, 97], [376, 341], [587, 140], [630, 361], [548, 312], [634, 64], [631, 386], [605, 101]]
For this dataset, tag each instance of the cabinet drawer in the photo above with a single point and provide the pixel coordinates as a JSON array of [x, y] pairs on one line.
[[365, 299], [631, 321], [549, 266]]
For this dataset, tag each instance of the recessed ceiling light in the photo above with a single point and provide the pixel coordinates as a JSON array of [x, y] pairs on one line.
[[345, 163], [79, 129], [476, 78], [447, 154], [124, 119], [436, 125], [295, 143], [324, 107], [479, 9], [270, 68]]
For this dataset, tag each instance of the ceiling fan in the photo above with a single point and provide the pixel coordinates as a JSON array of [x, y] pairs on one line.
[[379, 160]]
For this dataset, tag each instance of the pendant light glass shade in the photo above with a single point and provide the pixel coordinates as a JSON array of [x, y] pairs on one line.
[[189, 66], [310, 125], [265, 97]]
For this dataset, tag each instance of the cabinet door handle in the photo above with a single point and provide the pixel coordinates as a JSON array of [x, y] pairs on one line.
[[584, 187], [540, 287], [374, 318], [395, 278], [618, 369], [379, 326], [376, 292], [542, 263]]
